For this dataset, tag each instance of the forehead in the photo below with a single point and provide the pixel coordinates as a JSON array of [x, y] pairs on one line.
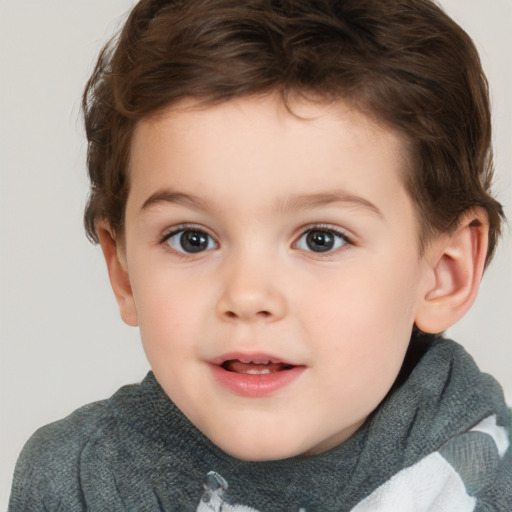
[[234, 150]]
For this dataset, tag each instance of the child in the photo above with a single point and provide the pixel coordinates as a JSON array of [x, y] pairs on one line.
[[292, 198]]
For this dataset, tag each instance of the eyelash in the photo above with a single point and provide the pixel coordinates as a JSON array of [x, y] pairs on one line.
[[183, 228], [323, 228], [320, 228]]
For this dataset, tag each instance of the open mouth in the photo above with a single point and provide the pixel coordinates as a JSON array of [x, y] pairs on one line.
[[255, 367], [254, 375]]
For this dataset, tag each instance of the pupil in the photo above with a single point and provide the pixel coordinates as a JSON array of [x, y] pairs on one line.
[[194, 241], [320, 241]]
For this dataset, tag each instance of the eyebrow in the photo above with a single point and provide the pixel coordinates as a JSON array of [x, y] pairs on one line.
[[291, 203], [306, 201], [174, 197]]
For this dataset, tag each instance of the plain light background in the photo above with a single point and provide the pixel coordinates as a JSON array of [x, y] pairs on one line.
[[62, 341]]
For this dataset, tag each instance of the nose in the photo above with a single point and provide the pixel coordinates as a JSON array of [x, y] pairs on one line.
[[251, 293]]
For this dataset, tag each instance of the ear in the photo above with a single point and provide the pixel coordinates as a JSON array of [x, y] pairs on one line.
[[118, 274], [456, 262]]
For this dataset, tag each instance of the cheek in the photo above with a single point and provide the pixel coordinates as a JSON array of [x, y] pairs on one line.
[[366, 301], [168, 309], [363, 319]]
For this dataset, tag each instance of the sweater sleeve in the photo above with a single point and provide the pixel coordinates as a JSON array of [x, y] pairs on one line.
[[497, 496], [47, 474]]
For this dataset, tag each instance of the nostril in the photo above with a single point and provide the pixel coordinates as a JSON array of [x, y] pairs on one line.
[[263, 313]]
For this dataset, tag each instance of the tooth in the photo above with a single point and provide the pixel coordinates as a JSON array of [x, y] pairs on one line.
[[254, 361]]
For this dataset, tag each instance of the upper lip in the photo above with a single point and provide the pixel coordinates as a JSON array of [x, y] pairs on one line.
[[251, 357]]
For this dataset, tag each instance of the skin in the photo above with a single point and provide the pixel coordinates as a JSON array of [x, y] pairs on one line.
[[256, 180]]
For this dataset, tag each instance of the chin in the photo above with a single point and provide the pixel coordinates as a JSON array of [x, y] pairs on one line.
[[251, 455], [254, 450]]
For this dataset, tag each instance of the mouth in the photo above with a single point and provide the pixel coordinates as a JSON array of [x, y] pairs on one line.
[[258, 367], [255, 375]]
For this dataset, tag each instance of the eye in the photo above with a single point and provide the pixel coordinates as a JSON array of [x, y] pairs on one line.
[[190, 241], [321, 240]]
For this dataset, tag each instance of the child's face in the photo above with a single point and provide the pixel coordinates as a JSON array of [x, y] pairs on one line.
[[253, 235]]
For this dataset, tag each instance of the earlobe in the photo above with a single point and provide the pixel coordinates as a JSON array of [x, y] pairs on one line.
[[457, 262], [118, 274]]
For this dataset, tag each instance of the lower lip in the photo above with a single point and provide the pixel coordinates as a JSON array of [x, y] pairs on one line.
[[251, 385]]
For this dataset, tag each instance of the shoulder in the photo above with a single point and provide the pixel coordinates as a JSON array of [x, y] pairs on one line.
[[47, 473], [106, 456]]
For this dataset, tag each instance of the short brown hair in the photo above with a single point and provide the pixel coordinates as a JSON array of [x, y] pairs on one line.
[[405, 62]]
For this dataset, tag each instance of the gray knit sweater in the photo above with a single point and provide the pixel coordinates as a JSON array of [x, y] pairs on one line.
[[439, 441]]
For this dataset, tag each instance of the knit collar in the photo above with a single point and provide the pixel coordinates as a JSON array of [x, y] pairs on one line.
[[438, 394]]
